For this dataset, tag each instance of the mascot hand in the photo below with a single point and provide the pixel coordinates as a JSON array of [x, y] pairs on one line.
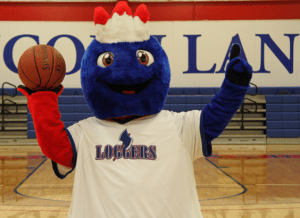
[[238, 71], [50, 130], [27, 92]]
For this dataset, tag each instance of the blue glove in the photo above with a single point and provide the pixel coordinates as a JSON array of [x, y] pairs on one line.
[[238, 71]]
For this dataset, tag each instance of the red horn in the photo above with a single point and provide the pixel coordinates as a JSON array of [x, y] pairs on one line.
[[122, 7], [143, 13], [101, 16]]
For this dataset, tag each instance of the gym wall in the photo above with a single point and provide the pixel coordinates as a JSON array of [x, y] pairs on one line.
[[196, 36]]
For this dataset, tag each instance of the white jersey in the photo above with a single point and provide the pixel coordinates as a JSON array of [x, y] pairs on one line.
[[152, 176]]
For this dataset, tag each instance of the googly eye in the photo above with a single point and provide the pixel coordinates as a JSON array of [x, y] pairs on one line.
[[105, 59], [145, 57]]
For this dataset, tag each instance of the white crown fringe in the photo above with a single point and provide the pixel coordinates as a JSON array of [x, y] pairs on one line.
[[122, 28]]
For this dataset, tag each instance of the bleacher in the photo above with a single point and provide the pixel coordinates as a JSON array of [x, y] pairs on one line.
[[73, 106], [283, 116], [280, 112], [13, 114]]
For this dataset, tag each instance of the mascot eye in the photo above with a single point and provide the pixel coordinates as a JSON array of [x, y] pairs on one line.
[[145, 57], [105, 59]]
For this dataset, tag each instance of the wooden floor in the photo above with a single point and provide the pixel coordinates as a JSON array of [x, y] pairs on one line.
[[229, 186]]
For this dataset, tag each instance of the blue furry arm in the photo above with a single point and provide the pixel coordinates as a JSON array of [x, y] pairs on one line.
[[216, 116]]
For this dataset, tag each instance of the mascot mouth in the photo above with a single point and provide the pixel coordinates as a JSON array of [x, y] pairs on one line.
[[128, 89]]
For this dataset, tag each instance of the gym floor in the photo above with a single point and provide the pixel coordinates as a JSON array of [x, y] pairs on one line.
[[229, 186]]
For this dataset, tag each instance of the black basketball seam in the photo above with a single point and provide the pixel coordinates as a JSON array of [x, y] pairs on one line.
[[37, 67], [52, 68], [57, 79], [26, 75]]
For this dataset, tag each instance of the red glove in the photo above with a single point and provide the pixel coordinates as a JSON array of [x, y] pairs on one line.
[[50, 130]]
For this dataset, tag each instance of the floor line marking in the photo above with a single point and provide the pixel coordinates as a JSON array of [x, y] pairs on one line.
[[245, 189], [16, 189]]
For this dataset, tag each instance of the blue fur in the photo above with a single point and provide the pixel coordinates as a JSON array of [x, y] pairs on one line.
[[125, 70], [224, 104], [241, 66]]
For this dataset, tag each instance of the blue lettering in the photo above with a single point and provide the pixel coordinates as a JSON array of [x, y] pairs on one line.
[[79, 50], [192, 57], [8, 51], [235, 40], [99, 155], [287, 63], [144, 152], [152, 152], [159, 37], [108, 151], [98, 152], [117, 152], [126, 154], [135, 152]]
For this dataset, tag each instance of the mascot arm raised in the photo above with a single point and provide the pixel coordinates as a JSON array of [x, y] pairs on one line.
[[216, 116], [52, 136]]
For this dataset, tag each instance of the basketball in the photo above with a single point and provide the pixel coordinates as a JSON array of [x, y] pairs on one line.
[[41, 67]]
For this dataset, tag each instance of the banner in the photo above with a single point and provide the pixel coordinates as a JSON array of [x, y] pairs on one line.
[[198, 51]]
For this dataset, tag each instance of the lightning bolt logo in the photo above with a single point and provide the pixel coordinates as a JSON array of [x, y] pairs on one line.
[[127, 141]]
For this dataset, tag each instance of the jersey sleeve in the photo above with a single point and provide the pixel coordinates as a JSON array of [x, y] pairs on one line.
[[73, 132], [188, 125]]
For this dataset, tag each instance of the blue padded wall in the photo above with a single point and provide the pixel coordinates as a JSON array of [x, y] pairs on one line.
[[283, 116], [283, 111], [73, 106]]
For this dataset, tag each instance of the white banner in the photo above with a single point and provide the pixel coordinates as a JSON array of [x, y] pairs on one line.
[[196, 49]]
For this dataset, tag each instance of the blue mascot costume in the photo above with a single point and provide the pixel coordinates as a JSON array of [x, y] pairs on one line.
[[133, 159]]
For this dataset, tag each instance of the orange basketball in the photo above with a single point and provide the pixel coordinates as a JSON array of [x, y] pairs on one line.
[[41, 67]]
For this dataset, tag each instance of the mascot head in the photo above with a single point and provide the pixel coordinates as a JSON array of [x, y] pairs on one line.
[[124, 70]]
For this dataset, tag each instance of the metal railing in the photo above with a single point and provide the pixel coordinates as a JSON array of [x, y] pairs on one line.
[[3, 110], [243, 110]]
